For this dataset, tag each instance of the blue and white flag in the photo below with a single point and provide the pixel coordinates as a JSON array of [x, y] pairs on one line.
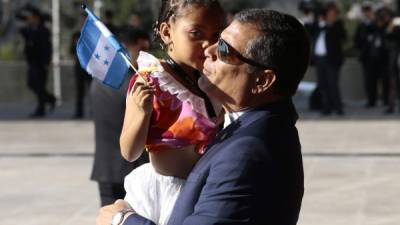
[[100, 54]]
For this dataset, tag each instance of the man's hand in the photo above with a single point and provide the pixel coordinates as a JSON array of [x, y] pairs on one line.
[[107, 212]]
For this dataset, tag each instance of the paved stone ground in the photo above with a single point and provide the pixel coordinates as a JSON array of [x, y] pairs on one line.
[[352, 169]]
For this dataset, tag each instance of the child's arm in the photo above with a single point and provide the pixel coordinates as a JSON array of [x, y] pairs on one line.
[[137, 120]]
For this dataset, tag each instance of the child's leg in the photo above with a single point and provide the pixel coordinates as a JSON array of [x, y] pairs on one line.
[[141, 192], [151, 194], [168, 189]]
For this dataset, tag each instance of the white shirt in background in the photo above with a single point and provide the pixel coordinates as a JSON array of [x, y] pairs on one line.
[[320, 45]]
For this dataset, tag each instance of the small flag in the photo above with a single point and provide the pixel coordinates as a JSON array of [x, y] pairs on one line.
[[100, 53]]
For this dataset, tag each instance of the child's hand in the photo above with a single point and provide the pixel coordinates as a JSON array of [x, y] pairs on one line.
[[141, 97]]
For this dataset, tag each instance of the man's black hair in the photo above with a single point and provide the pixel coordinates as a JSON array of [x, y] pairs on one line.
[[282, 45], [366, 6], [328, 6]]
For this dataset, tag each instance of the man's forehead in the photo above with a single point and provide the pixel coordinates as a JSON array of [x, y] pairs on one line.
[[239, 34]]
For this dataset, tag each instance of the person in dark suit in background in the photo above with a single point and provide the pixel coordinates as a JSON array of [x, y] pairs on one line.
[[252, 173], [108, 105], [108, 21], [310, 10], [82, 78], [378, 58], [328, 57], [393, 47], [38, 51], [362, 42]]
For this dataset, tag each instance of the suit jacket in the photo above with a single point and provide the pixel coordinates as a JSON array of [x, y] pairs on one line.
[[108, 107], [251, 174], [378, 49], [38, 48], [334, 38], [362, 38]]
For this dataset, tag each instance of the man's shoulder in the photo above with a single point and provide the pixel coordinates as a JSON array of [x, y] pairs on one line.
[[251, 138], [259, 134], [265, 124], [243, 143]]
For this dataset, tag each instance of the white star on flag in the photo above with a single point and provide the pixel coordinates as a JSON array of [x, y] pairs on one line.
[[100, 61], [100, 53]]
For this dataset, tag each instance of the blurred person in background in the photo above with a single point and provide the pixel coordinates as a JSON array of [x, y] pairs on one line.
[[329, 36], [398, 7], [109, 168], [377, 58], [362, 43], [393, 44], [82, 78], [38, 51], [108, 21], [135, 21], [310, 10]]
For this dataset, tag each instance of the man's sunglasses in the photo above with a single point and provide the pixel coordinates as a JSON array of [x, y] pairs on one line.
[[228, 54]]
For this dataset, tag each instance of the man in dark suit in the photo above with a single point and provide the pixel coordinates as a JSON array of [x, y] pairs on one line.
[[252, 172], [328, 57], [363, 43], [38, 51], [82, 78], [379, 57], [392, 39], [108, 105]]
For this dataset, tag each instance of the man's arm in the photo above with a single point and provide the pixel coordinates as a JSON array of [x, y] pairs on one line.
[[227, 196], [106, 213], [135, 219]]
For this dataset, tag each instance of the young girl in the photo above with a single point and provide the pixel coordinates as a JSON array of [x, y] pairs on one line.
[[168, 114]]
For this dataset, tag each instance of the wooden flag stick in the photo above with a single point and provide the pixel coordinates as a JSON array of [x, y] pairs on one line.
[[134, 69]]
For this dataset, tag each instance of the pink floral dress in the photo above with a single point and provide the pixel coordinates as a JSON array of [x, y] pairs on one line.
[[179, 117]]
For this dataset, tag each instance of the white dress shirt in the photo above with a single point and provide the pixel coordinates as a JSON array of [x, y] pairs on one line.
[[230, 117], [320, 45]]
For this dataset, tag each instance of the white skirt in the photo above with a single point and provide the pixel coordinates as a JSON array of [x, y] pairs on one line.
[[151, 194]]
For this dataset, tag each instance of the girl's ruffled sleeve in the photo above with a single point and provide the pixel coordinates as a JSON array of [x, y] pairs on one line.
[[147, 64]]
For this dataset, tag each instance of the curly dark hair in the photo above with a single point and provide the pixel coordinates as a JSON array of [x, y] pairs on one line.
[[169, 9]]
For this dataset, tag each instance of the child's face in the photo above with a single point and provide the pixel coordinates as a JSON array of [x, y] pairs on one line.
[[192, 32]]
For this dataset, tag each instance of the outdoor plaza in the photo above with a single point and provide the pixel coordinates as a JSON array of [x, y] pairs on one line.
[[351, 165]]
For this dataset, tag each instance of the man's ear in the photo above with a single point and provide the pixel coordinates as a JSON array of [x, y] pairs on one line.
[[264, 81], [165, 33]]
